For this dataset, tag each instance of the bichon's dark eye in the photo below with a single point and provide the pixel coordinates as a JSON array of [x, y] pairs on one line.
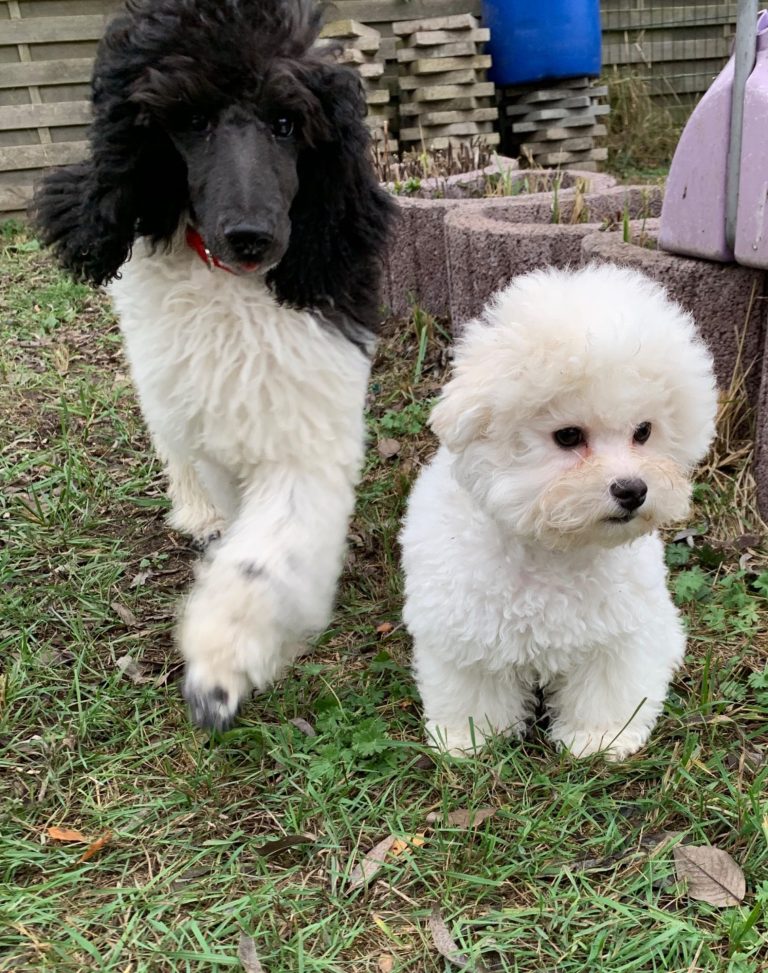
[[570, 437], [282, 127], [642, 432]]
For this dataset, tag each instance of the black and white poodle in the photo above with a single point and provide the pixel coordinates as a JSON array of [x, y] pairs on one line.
[[230, 201]]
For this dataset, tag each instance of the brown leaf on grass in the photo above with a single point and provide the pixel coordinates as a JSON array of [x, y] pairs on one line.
[[388, 448], [461, 817], [66, 834], [385, 628], [141, 578], [371, 864], [711, 874], [410, 841], [746, 541], [386, 963], [304, 725], [286, 841], [132, 670], [445, 945], [61, 359], [246, 953], [124, 614], [95, 847]]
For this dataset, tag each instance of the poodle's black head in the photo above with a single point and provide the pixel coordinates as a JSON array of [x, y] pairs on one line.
[[219, 112]]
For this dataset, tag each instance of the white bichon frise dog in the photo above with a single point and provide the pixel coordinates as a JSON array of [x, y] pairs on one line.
[[579, 404]]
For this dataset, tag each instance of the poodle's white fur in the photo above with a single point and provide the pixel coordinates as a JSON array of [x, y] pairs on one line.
[[257, 411], [518, 573]]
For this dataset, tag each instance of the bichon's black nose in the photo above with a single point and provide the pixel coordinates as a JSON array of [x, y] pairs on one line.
[[248, 242], [629, 494]]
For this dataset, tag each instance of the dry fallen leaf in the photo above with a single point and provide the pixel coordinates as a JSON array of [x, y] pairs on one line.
[[386, 963], [124, 614], [132, 670], [303, 725], [280, 844], [246, 953], [141, 578], [711, 874], [461, 818], [445, 945], [410, 841], [371, 864], [95, 847], [388, 448], [66, 834], [385, 628]]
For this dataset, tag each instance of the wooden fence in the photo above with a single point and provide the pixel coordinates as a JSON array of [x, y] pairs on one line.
[[47, 47]]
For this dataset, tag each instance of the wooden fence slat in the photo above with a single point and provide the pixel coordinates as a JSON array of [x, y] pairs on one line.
[[669, 16], [34, 116], [654, 52], [14, 197], [38, 156], [40, 30], [388, 11], [24, 73]]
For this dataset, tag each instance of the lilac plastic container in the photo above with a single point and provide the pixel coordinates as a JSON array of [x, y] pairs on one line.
[[694, 209], [751, 247]]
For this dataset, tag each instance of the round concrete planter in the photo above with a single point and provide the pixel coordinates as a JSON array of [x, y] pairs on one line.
[[416, 264], [724, 299], [728, 303], [487, 246]]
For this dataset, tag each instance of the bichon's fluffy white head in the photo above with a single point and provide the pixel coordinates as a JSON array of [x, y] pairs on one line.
[[580, 402]]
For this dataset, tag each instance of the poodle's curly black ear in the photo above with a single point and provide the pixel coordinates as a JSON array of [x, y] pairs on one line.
[[89, 225], [341, 216], [133, 182]]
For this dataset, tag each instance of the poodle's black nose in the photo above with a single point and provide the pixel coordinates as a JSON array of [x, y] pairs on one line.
[[629, 494], [248, 242]]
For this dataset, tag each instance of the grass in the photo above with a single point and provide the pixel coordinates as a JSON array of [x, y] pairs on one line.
[[256, 832], [642, 133]]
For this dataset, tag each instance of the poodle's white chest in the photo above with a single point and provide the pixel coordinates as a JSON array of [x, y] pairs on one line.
[[224, 372]]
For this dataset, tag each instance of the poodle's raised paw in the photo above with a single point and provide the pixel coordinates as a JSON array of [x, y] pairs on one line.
[[213, 707], [615, 743]]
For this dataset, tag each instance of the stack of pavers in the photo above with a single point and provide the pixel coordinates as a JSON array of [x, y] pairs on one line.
[[555, 125], [445, 98], [362, 47]]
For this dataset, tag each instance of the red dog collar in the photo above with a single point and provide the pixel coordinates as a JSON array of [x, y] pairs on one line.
[[195, 241]]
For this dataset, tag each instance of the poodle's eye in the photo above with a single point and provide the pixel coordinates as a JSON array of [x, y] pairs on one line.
[[570, 437], [198, 123], [642, 432], [282, 127]]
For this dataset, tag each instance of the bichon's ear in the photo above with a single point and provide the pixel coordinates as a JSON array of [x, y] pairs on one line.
[[461, 415]]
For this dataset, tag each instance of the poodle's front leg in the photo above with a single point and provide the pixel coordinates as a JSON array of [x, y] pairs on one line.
[[610, 701], [266, 586]]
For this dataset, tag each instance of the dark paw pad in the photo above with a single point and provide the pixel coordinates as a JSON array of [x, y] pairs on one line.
[[201, 544], [211, 710]]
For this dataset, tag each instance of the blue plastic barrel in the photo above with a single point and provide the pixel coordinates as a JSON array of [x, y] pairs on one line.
[[533, 40]]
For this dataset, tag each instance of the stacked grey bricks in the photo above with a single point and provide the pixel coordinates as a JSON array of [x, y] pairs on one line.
[[445, 98], [364, 48], [557, 124]]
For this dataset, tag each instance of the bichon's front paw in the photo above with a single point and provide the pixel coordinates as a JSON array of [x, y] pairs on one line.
[[612, 742], [463, 740], [457, 741]]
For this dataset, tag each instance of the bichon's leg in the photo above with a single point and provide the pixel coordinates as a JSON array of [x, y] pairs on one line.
[[611, 700], [463, 706], [265, 586]]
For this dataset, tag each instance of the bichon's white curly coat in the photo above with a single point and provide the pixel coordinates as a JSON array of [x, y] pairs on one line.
[[579, 404]]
